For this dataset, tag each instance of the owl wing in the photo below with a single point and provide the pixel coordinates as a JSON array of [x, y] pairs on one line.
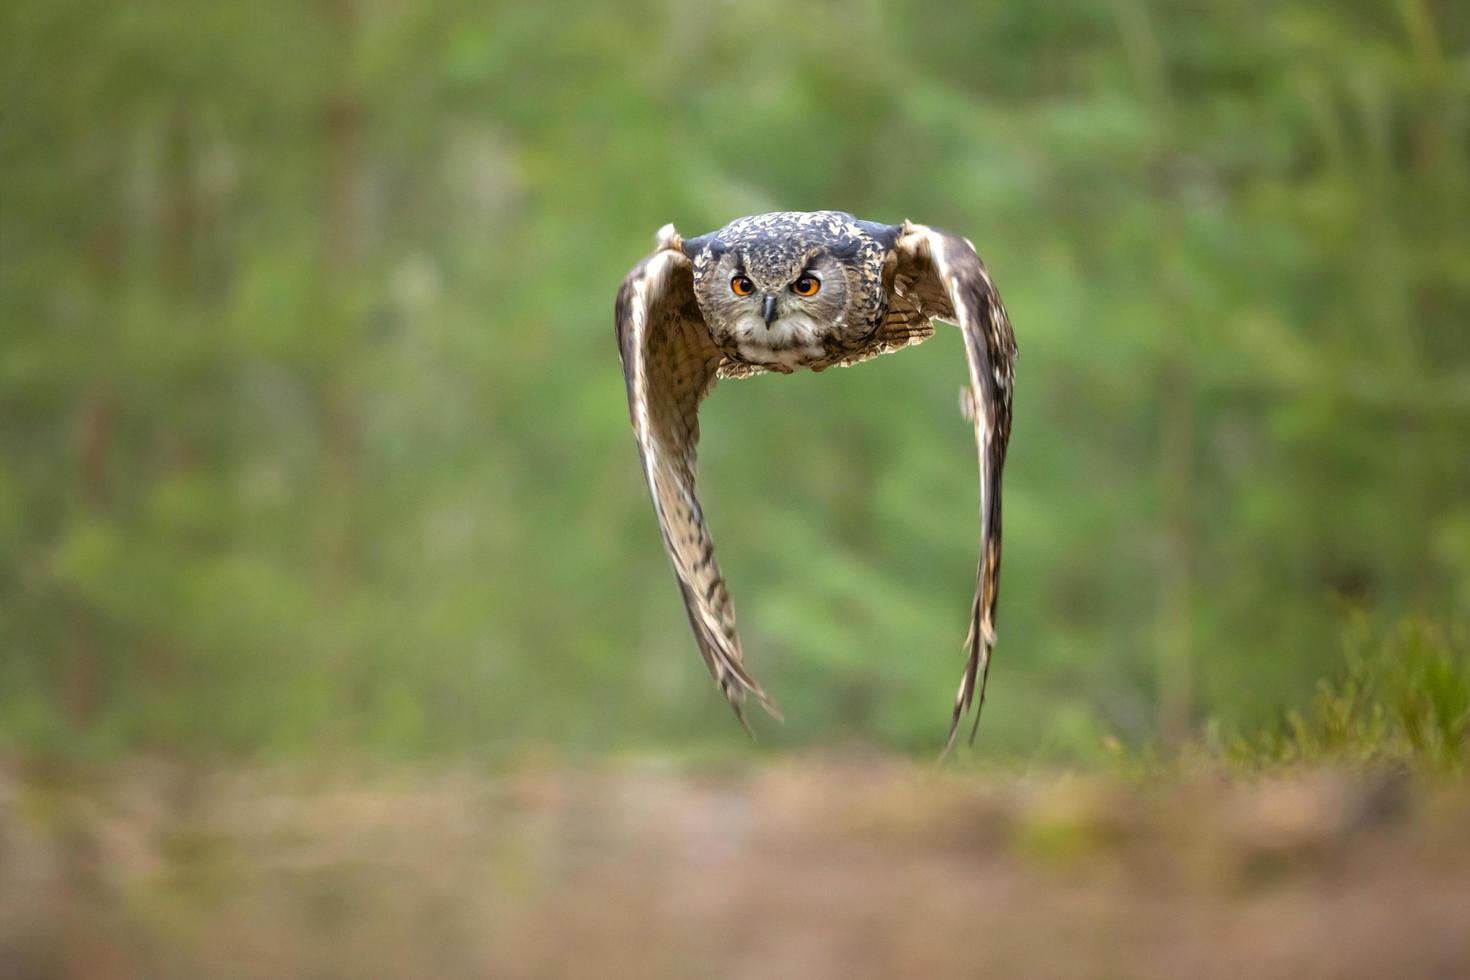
[[670, 364], [941, 275]]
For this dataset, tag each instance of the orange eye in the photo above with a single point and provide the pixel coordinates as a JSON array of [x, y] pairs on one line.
[[806, 286], [741, 286]]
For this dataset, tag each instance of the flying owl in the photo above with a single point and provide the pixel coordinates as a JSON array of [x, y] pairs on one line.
[[788, 290]]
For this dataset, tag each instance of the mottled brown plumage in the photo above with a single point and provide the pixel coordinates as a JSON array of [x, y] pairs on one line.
[[734, 303]]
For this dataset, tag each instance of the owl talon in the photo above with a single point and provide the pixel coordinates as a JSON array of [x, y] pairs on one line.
[[967, 403]]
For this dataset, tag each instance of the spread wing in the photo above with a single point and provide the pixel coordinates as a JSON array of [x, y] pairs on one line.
[[670, 364], [941, 274]]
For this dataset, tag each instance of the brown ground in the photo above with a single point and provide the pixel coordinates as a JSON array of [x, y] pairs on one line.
[[811, 869]]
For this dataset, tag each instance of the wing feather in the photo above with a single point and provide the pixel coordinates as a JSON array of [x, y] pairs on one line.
[[670, 363], [944, 277]]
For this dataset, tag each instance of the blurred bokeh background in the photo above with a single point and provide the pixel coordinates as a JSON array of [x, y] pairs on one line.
[[336, 635], [313, 436]]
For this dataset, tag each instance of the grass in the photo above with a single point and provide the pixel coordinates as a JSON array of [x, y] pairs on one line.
[[1402, 698], [851, 865]]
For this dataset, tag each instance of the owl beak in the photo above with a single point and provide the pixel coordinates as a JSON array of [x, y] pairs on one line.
[[768, 309]]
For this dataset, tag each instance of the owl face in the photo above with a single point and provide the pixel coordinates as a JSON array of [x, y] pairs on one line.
[[789, 288]]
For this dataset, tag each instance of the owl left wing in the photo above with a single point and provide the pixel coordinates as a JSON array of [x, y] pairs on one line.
[[670, 363], [941, 275]]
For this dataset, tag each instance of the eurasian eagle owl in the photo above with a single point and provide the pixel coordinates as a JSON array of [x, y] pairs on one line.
[[789, 290]]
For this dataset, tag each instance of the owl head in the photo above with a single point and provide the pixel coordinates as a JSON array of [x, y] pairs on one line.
[[786, 288]]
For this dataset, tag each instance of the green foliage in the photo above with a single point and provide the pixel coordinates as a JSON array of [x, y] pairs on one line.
[[1400, 698], [312, 434]]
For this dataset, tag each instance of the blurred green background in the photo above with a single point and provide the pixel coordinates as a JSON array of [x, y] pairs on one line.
[[313, 436]]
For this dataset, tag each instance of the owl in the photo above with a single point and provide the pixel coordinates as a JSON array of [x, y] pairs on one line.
[[782, 292]]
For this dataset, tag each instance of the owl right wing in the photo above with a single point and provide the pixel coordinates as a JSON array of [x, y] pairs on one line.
[[670, 363], [940, 275]]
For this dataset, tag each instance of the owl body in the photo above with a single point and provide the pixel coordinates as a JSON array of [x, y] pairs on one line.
[[774, 325], [789, 290]]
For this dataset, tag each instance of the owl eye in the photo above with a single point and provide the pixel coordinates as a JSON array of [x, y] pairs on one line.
[[806, 286], [742, 286]]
